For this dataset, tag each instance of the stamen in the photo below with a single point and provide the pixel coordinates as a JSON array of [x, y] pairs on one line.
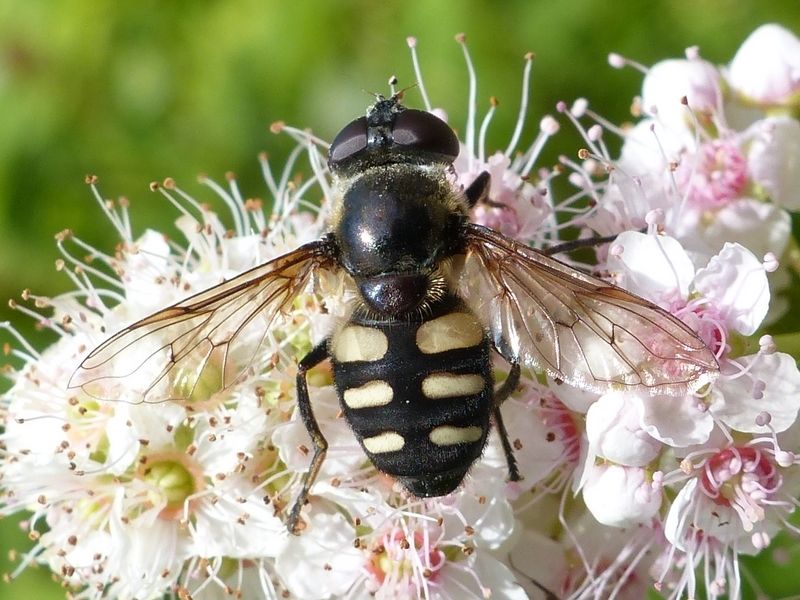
[[618, 61], [94, 253], [412, 45], [82, 268], [302, 136], [523, 104], [33, 354], [157, 187], [39, 319], [238, 204], [599, 152], [785, 459], [484, 127], [472, 100], [548, 127], [120, 225], [266, 172], [602, 121]]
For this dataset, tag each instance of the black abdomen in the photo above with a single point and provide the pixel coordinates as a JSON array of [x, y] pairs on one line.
[[417, 393]]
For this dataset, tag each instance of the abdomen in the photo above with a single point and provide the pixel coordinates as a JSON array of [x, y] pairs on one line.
[[417, 393]]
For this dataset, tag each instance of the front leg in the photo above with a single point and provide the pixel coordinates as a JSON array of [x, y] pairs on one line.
[[310, 360], [578, 244]]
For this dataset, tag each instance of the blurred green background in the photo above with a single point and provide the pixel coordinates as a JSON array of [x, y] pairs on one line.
[[135, 92]]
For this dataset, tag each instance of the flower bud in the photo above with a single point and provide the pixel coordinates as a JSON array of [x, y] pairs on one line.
[[620, 496]]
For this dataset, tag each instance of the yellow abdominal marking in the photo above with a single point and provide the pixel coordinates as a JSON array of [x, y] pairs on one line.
[[450, 332], [373, 393], [448, 385], [388, 441], [359, 343], [447, 435]]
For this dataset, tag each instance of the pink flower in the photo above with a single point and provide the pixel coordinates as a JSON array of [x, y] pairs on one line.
[[718, 174], [734, 501]]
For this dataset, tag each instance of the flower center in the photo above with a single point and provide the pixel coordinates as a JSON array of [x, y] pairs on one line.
[[718, 174], [741, 478], [402, 560], [172, 483], [558, 418]]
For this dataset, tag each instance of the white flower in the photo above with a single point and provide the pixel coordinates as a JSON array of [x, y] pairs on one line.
[[756, 384], [766, 68], [588, 561], [326, 550], [735, 283], [142, 500], [615, 432], [671, 85], [135, 494], [686, 160], [620, 496], [729, 296], [418, 558], [678, 421], [773, 159], [514, 207]]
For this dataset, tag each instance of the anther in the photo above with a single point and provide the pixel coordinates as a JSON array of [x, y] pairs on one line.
[[766, 345], [784, 458], [763, 418], [549, 125], [578, 108], [616, 60], [771, 263]]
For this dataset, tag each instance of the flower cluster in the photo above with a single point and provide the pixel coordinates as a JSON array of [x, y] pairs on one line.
[[621, 492]]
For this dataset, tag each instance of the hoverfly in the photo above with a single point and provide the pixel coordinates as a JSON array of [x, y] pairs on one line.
[[435, 296]]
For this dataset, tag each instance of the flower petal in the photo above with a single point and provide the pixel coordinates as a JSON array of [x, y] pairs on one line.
[[613, 426], [655, 267], [620, 496], [738, 407], [669, 81], [735, 283], [766, 68], [677, 421], [774, 160]]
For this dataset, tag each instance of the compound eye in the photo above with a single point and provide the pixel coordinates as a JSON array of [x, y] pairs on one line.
[[423, 131], [349, 141]]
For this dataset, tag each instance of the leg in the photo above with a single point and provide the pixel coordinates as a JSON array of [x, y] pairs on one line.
[[578, 244], [505, 390], [478, 190], [508, 386], [312, 359]]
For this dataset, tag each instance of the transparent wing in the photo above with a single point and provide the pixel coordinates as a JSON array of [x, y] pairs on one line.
[[578, 328], [204, 343]]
